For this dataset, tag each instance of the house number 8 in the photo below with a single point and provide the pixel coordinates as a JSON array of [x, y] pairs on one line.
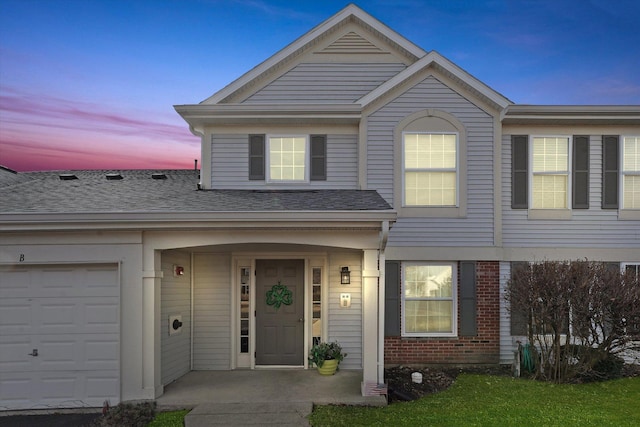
[[21, 257]]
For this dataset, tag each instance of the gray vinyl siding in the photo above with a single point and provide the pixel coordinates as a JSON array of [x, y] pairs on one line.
[[175, 300], [325, 83], [477, 228], [230, 163], [507, 342], [588, 228], [212, 312], [345, 324]]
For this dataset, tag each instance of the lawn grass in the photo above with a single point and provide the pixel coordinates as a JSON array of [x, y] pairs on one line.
[[483, 400], [169, 419]]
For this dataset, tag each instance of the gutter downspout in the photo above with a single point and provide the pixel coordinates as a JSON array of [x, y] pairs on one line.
[[192, 305], [384, 237]]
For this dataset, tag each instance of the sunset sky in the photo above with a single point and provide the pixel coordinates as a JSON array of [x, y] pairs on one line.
[[91, 84]]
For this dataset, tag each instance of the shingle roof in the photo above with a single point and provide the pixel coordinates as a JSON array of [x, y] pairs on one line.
[[118, 191]]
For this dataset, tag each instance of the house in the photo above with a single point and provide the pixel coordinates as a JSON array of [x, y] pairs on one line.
[[354, 187]]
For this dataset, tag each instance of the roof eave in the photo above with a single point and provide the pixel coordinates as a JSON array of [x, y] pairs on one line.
[[198, 115], [572, 114], [171, 220]]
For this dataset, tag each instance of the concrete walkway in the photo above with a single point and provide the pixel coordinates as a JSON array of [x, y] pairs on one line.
[[249, 414], [261, 397]]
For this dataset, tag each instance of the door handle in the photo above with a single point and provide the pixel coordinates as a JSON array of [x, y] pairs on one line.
[[34, 353], [301, 319]]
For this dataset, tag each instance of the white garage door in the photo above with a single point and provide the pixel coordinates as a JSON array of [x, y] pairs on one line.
[[59, 336]]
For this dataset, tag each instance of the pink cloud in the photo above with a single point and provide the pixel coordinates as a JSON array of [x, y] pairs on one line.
[[44, 133]]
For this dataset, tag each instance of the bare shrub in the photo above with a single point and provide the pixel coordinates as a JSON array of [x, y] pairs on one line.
[[579, 315], [127, 414]]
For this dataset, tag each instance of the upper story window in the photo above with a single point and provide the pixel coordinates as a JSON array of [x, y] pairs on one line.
[[550, 172], [429, 299], [430, 169], [631, 172], [430, 166], [287, 158]]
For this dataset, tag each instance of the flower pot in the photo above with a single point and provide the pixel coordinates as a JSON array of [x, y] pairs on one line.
[[329, 367]]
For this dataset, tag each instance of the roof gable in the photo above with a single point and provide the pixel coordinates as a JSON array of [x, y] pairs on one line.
[[435, 60], [354, 32]]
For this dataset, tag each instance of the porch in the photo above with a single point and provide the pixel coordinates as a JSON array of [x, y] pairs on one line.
[[266, 385]]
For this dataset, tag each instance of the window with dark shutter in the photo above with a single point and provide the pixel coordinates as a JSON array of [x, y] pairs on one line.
[[518, 318], [519, 172], [256, 157], [468, 306], [610, 168], [318, 158], [580, 198], [392, 299]]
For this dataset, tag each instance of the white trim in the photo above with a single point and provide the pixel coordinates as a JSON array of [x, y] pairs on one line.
[[568, 173], [571, 114], [311, 260], [307, 162], [622, 173], [429, 59], [301, 42], [454, 299], [212, 220], [456, 169], [623, 265]]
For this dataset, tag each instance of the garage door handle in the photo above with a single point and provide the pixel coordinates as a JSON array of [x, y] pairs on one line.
[[34, 353]]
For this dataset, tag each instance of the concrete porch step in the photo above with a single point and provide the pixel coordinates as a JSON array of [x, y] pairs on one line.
[[249, 414]]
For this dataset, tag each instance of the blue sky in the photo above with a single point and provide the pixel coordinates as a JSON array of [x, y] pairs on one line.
[[88, 84]]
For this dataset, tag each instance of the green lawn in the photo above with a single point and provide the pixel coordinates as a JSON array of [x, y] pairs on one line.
[[169, 419], [481, 400]]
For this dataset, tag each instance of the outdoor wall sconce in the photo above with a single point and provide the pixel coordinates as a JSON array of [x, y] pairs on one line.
[[345, 276], [178, 270]]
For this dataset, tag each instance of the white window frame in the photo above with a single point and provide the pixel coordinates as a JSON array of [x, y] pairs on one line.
[[453, 299], [624, 173], [568, 172], [307, 165], [624, 265], [456, 170]]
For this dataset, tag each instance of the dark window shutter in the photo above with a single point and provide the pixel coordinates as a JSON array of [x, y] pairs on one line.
[[612, 266], [256, 157], [518, 318], [318, 158], [519, 172], [580, 172], [468, 305], [610, 150], [392, 299]]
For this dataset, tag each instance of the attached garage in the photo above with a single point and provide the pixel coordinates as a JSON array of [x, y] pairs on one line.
[[59, 335]]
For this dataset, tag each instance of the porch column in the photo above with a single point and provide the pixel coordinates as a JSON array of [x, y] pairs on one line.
[[151, 283], [370, 275]]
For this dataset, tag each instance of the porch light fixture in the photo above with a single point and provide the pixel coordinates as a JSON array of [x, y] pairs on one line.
[[178, 271], [345, 276]]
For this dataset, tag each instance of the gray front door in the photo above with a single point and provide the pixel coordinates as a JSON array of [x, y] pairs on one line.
[[280, 312]]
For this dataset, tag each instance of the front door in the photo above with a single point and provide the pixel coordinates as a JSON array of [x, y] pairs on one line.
[[280, 312]]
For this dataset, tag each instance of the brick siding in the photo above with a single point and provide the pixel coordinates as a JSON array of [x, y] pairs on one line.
[[481, 349]]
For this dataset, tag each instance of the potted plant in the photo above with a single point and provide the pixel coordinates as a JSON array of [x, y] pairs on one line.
[[326, 356]]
